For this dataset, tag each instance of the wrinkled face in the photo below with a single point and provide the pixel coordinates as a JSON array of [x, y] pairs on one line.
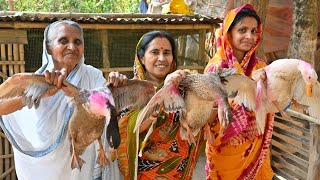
[[67, 48], [244, 34], [158, 58]]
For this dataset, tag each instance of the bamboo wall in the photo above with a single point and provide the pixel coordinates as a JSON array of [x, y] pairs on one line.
[[11, 62], [291, 148]]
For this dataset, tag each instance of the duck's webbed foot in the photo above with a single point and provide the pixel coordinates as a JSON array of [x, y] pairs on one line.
[[112, 154], [102, 158], [190, 137], [208, 134], [283, 114], [76, 161], [298, 105]]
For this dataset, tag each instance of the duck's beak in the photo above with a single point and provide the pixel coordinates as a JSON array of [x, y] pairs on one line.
[[309, 89]]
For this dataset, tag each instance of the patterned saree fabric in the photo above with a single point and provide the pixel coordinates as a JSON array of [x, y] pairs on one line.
[[166, 155], [246, 153]]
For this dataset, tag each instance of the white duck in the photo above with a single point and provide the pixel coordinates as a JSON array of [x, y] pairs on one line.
[[287, 81], [291, 81]]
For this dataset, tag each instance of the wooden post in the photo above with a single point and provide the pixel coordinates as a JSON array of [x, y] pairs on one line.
[[202, 41], [16, 58], [21, 51], [10, 58], [105, 50], [13, 173], [7, 160], [314, 152], [11, 5], [3, 58], [182, 47]]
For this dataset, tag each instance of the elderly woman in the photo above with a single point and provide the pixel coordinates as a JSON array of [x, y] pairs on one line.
[[39, 136]]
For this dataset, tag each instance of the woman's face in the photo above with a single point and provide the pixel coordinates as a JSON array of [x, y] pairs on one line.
[[67, 48], [158, 58], [244, 34]]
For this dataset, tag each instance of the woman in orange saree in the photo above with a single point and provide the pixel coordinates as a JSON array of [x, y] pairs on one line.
[[245, 155], [166, 155]]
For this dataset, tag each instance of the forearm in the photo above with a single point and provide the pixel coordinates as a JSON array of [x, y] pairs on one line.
[[10, 105]]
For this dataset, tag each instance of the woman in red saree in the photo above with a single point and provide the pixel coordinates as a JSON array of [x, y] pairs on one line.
[[246, 154]]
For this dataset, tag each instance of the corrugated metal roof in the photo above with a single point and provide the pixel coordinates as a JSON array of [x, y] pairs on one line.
[[107, 18]]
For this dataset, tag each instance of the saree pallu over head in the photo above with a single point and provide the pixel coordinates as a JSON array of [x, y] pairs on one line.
[[139, 69], [246, 154], [165, 155], [39, 136], [224, 55]]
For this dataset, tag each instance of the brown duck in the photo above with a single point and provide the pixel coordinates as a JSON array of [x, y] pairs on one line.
[[196, 96], [92, 109]]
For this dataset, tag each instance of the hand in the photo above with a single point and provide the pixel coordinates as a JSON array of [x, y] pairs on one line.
[[117, 79], [56, 78], [259, 74], [176, 77], [69, 89]]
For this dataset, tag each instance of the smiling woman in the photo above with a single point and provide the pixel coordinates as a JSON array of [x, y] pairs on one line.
[[243, 35], [245, 153], [38, 135], [156, 56], [166, 155], [65, 45]]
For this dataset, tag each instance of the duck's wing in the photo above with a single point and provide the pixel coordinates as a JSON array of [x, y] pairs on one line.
[[168, 98], [242, 88], [134, 94], [311, 101], [29, 86], [250, 94]]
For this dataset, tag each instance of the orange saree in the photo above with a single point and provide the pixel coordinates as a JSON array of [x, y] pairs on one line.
[[165, 155], [245, 155]]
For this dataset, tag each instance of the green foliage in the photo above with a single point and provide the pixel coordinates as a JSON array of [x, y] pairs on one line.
[[4, 5], [76, 6]]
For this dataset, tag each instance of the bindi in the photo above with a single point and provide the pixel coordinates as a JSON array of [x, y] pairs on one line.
[[161, 47]]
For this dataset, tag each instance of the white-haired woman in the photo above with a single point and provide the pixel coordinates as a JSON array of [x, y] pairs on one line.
[[39, 136]]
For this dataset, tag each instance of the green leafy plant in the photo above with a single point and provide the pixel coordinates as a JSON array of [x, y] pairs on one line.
[[76, 6]]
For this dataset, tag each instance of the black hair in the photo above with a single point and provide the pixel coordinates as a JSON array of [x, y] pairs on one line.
[[244, 12], [148, 37]]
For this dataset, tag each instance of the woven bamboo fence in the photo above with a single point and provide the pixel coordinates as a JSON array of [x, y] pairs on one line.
[[12, 61], [295, 147]]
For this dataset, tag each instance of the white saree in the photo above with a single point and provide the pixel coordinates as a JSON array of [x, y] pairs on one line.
[[39, 136]]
